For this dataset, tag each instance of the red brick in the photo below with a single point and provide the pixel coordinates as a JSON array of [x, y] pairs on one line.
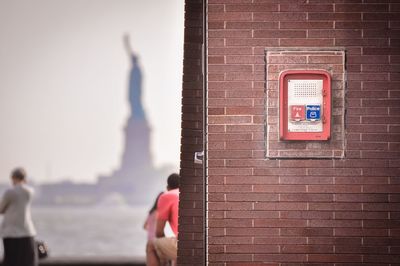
[[306, 249], [236, 76], [361, 197], [368, 59], [252, 42], [279, 188], [380, 119], [252, 25], [229, 1], [307, 42], [243, 93], [281, 240], [361, 8], [279, 33], [229, 257], [335, 171], [380, 16], [382, 258], [280, 223], [251, 7], [229, 171], [252, 214], [334, 16], [229, 119], [230, 188], [252, 180], [265, 231], [237, 16], [250, 163], [368, 128], [368, 77], [230, 51], [216, 25], [379, 154], [306, 180], [229, 33], [277, 16], [250, 264], [281, 206], [281, 257], [244, 110], [244, 128], [222, 137], [381, 206], [381, 51], [306, 163], [281, 171], [229, 154], [308, 8], [335, 258], [334, 188], [361, 25], [229, 86], [230, 102], [340, 34], [230, 240], [306, 232], [361, 232], [381, 33], [394, 24], [335, 241], [382, 188], [216, 249], [286, 59], [230, 206], [213, 43], [244, 145], [252, 249], [367, 146], [216, 128], [244, 60], [362, 42], [335, 206], [238, 68], [324, 59], [307, 25], [306, 197], [216, 60]]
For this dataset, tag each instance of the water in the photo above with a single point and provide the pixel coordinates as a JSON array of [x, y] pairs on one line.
[[96, 231]]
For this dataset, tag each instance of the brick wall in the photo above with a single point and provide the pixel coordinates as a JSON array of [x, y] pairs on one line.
[[191, 236], [289, 212], [282, 59]]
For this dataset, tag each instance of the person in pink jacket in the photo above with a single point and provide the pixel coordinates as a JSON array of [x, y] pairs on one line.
[[163, 249], [151, 220]]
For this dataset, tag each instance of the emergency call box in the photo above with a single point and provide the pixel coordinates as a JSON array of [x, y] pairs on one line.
[[305, 105]]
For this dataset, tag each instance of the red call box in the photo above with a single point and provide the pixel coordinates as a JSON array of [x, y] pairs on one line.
[[305, 105]]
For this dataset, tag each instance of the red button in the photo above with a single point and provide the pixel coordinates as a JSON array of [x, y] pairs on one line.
[[297, 112]]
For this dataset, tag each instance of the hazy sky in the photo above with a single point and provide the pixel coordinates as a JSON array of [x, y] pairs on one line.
[[64, 83]]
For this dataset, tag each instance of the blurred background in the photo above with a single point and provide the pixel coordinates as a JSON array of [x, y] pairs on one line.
[[90, 102]]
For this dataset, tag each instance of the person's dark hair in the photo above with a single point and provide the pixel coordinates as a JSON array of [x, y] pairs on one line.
[[173, 181], [18, 173], [155, 203]]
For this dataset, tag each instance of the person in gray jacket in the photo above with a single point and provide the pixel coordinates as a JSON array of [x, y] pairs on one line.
[[17, 230]]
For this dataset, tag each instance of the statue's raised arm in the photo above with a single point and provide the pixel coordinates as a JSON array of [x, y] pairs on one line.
[[128, 46]]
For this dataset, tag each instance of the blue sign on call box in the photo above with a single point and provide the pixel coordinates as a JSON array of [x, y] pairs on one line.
[[313, 112]]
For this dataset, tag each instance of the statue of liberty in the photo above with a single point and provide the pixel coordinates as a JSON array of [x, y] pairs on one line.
[[135, 82], [136, 174]]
